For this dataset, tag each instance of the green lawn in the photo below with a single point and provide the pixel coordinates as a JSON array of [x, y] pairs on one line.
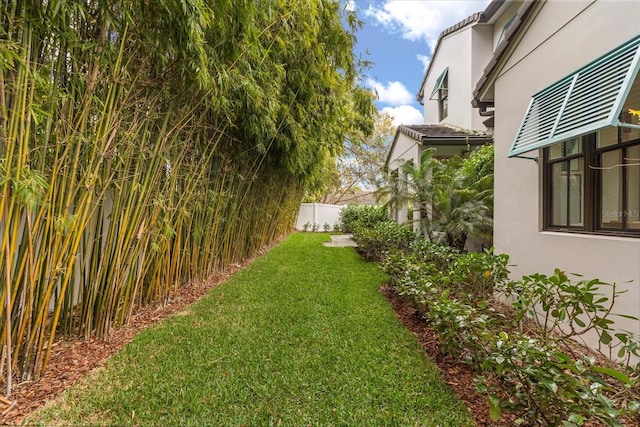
[[300, 337]]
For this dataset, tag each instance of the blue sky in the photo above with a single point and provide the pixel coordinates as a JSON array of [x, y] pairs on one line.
[[399, 36]]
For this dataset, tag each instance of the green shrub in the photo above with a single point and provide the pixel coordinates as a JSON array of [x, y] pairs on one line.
[[537, 374], [545, 386], [477, 273], [461, 327], [471, 275], [578, 306], [352, 216], [374, 242]]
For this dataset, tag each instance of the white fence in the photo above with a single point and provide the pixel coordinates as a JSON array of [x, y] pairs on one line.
[[322, 216]]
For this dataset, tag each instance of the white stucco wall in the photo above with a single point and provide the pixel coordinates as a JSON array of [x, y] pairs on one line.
[[564, 37], [481, 53], [465, 52], [405, 149]]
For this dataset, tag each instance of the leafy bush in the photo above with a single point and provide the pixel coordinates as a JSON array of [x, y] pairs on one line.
[[471, 275], [546, 386], [352, 216], [476, 273], [374, 242], [462, 327], [538, 374], [571, 309]]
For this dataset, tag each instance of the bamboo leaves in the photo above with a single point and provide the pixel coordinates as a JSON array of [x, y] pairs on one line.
[[147, 145]]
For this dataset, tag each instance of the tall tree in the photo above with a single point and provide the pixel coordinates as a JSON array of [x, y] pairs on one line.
[[358, 168]]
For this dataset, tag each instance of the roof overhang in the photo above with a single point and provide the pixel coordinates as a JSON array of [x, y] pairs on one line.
[[446, 140], [483, 93], [587, 100]]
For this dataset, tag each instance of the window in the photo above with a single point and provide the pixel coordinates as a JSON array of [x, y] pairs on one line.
[[592, 184], [505, 27], [441, 89], [618, 182], [443, 98], [584, 102], [566, 184]]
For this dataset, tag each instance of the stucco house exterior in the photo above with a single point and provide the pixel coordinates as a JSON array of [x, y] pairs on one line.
[[451, 124], [560, 84]]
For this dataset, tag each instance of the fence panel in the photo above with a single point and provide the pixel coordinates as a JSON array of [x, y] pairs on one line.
[[321, 215]]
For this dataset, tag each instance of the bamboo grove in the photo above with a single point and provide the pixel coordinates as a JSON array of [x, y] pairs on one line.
[[147, 144]]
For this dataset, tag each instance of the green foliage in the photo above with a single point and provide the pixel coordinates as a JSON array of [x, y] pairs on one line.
[[471, 276], [454, 196], [571, 309], [353, 216], [476, 273], [376, 241], [546, 386], [534, 372]]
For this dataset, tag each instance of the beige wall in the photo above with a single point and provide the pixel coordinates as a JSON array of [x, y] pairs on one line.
[[564, 37]]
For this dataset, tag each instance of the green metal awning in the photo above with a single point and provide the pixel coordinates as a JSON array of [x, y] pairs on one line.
[[439, 83], [583, 102]]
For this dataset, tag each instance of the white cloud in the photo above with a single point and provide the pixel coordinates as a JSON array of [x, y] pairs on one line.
[[350, 6], [394, 93], [404, 115], [424, 60], [422, 20]]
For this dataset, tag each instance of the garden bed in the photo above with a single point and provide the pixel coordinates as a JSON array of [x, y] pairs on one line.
[[458, 374]]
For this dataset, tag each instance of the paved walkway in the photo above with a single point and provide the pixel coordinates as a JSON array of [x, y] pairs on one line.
[[341, 240]]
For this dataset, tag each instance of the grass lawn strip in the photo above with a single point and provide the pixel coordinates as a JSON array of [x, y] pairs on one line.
[[300, 337]]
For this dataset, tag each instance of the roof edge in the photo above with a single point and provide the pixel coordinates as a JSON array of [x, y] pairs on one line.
[[472, 19], [522, 16]]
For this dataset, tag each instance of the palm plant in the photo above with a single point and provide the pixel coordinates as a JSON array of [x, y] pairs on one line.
[[452, 196], [459, 206]]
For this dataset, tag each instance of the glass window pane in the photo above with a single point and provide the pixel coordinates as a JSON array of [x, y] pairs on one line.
[[576, 190], [631, 103], [633, 187], [572, 146], [611, 189], [559, 196], [556, 150]]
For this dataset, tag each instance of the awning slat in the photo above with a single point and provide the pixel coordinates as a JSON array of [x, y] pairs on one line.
[[587, 100], [439, 83]]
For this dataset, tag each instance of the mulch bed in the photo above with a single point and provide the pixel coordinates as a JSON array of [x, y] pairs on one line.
[[456, 374]]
